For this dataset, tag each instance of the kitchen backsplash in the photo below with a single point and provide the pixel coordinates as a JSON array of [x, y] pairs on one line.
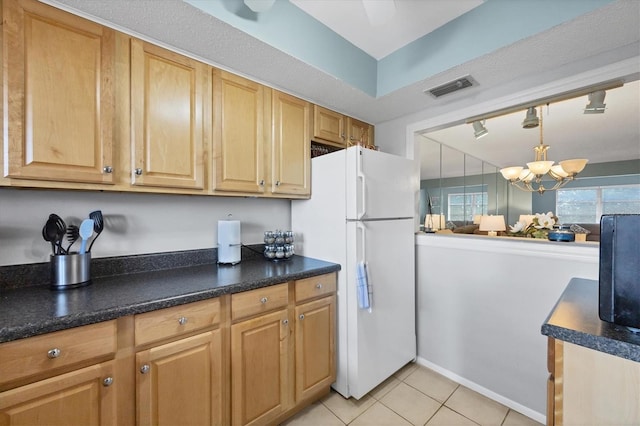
[[38, 274], [134, 223]]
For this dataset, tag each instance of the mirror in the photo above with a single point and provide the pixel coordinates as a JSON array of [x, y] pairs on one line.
[[457, 186]]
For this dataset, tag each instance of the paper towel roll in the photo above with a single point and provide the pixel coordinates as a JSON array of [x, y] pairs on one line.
[[229, 242]]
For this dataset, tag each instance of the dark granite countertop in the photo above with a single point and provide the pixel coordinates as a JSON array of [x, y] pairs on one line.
[[575, 319], [31, 310]]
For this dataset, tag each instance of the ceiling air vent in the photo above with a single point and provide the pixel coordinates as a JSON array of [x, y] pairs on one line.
[[452, 86]]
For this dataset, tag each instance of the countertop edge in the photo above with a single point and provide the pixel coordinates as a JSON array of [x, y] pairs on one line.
[[599, 343], [12, 332], [575, 319]]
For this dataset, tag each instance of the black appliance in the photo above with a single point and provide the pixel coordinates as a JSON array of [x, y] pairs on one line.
[[620, 269]]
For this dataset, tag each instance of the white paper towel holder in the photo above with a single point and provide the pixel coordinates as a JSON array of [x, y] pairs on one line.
[[229, 241]]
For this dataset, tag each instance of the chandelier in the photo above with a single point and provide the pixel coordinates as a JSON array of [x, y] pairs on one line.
[[530, 179]]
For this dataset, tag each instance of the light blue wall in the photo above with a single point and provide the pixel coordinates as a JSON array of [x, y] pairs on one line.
[[490, 26], [288, 28]]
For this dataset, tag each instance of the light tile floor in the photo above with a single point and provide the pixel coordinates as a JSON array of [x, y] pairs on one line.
[[416, 396]]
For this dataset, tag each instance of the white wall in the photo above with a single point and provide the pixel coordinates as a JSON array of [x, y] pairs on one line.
[[480, 304], [134, 223]]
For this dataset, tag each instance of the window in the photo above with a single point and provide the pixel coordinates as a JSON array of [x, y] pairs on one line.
[[586, 205], [464, 206]]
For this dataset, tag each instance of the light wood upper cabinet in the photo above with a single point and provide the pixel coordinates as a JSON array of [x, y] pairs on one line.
[[329, 126], [238, 134], [167, 92], [59, 90], [359, 133], [291, 145]]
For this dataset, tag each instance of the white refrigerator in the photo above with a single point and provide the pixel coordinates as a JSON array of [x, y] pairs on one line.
[[361, 215]]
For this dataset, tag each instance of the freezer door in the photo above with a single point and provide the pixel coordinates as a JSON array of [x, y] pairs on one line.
[[379, 185], [382, 338]]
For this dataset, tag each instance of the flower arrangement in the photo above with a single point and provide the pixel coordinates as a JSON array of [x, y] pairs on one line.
[[539, 227]]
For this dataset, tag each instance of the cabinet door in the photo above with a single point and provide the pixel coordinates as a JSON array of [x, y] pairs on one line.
[[59, 112], [359, 132], [291, 145], [81, 397], [315, 352], [259, 369], [239, 137], [329, 126], [166, 118], [180, 383]]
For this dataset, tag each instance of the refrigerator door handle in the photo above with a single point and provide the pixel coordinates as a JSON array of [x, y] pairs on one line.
[[367, 280], [363, 181], [363, 240]]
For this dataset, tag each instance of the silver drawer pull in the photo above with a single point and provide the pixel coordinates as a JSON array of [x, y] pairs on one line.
[[53, 353], [318, 286], [107, 382], [145, 369], [182, 320], [264, 300]]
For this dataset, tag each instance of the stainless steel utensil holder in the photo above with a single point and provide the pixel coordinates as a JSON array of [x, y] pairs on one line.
[[70, 270]]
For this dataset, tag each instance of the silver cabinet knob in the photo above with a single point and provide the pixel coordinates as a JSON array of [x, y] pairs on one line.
[[107, 382], [301, 316], [285, 322], [108, 169], [263, 300], [318, 286], [261, 182], [145, 369], [342, 136], [138, 172], [277, 183], [53, 353], [182, 320]]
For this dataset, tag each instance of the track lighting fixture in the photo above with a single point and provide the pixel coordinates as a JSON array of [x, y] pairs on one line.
[[531, 119], [596, 103], [479, 130]]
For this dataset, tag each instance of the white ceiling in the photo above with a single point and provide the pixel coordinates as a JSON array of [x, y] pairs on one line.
[[412, 19], [592, 41]]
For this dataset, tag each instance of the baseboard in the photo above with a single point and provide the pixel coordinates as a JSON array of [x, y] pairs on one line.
[[539, 417]]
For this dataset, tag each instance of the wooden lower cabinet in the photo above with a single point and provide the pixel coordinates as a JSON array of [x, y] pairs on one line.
[[259, 368], [249, 358], [81, 397], [180, 383], [589, 387], [315, 347]]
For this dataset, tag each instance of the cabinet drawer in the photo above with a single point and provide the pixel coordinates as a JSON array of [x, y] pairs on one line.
[[253, 302], [310, 288], [50, 352], [176, 321]]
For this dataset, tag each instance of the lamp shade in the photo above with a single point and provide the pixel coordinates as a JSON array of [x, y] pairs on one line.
[[434, 221], [511, 173], [575, 166], [492, 224], [540, 167]]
